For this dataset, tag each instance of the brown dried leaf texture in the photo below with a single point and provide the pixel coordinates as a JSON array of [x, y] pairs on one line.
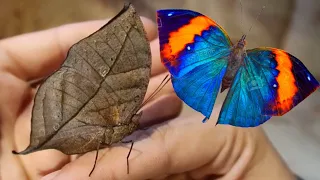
[[95, 95]]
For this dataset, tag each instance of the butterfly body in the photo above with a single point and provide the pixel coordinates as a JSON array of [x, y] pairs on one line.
[[263, 82], [235, 61]]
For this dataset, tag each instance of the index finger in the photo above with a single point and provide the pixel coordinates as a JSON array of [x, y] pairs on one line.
[[35, 55]]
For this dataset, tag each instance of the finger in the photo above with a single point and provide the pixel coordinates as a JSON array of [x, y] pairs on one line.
[[34, 55], [156, 69], [157, 66], [111, 164], [153, 157], [38, 163], [164, 108], [51, 175]]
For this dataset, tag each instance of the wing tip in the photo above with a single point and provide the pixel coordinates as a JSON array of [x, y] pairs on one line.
[[24, 152], [15, 152]]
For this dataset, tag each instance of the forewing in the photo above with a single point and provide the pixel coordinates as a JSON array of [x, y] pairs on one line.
[[195, 50], [270, 83], [189, 39], [98, 88]]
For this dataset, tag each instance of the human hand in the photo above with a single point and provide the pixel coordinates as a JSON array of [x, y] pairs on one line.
[[183, 148], [186, 148], [27, 58]]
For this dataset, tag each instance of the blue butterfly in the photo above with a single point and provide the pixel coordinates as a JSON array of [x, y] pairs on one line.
[[200, 57]]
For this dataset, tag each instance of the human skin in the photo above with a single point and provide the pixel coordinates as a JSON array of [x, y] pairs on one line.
[[180, 148]]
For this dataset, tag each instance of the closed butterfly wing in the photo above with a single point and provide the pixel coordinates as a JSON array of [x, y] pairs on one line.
[[270, 83], [94, 96], [194, 49]]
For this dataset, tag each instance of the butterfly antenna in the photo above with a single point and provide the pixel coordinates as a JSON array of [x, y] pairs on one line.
[[241, 16], [157, 90], [257, 17]]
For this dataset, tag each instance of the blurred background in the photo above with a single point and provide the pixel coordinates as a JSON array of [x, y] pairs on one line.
[[292, 25]]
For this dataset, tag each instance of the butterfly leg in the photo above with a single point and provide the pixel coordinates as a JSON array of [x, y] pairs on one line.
[[128, 153], [95, 160]]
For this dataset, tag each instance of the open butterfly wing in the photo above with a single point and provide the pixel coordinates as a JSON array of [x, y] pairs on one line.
[[194, 49], [287, 79], [199, 87], [270, 83], [243, 104]]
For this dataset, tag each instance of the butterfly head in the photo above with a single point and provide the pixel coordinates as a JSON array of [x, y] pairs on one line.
[[242, 42]]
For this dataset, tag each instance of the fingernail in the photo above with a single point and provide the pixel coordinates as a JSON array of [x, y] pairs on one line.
[[50, 176]]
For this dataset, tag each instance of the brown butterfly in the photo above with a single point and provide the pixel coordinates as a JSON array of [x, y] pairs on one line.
[[93, 100]]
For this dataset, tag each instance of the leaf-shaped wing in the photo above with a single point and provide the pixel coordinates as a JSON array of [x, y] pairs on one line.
[[97, 91]]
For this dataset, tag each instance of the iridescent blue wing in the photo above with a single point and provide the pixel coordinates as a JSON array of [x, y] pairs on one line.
[[270, 83], [289, 80], [243, 104], [194, 49]]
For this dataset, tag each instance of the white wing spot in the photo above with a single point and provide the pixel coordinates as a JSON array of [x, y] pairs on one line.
[[170, 14], [104, 73], [188, 47], [309, 78], [274, 85]]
